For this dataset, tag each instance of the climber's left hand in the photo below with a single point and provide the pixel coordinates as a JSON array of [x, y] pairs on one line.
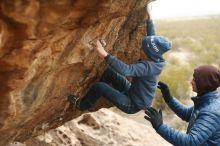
[[100, 49]]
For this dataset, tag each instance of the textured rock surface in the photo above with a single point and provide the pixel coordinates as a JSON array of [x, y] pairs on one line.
[[45, 55], [102, 128]]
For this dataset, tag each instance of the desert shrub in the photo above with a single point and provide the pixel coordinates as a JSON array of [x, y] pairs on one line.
[[178, 78]]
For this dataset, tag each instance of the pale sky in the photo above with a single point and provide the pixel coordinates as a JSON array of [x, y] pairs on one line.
[[180, 8]]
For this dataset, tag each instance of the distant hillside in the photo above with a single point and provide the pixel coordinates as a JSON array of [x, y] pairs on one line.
[[199, 36]]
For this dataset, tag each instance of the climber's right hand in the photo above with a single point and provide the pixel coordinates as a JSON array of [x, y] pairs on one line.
[[148, 8]]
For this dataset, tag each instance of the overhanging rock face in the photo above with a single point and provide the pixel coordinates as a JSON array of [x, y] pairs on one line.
[[45, 55]]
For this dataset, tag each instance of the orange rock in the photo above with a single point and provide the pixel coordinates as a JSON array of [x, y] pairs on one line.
[[45, 55]]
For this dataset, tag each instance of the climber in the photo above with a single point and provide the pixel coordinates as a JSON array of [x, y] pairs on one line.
[[137, 95], [203, 117]]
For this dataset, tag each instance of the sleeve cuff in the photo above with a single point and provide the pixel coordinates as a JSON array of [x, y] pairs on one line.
[[162, 130], [107, 57], [149, 21]]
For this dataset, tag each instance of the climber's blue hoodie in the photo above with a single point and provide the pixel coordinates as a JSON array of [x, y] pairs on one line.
[[145, 78]]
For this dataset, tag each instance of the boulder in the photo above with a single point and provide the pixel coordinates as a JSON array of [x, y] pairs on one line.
[[45, 55]]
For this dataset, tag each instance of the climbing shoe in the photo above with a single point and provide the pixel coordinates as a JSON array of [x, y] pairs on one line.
[[74, 101]]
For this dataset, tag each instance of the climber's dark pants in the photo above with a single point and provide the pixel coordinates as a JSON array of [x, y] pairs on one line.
[[116, 93]]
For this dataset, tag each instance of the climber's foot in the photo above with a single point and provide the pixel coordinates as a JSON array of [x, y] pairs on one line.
[[74, 101]]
